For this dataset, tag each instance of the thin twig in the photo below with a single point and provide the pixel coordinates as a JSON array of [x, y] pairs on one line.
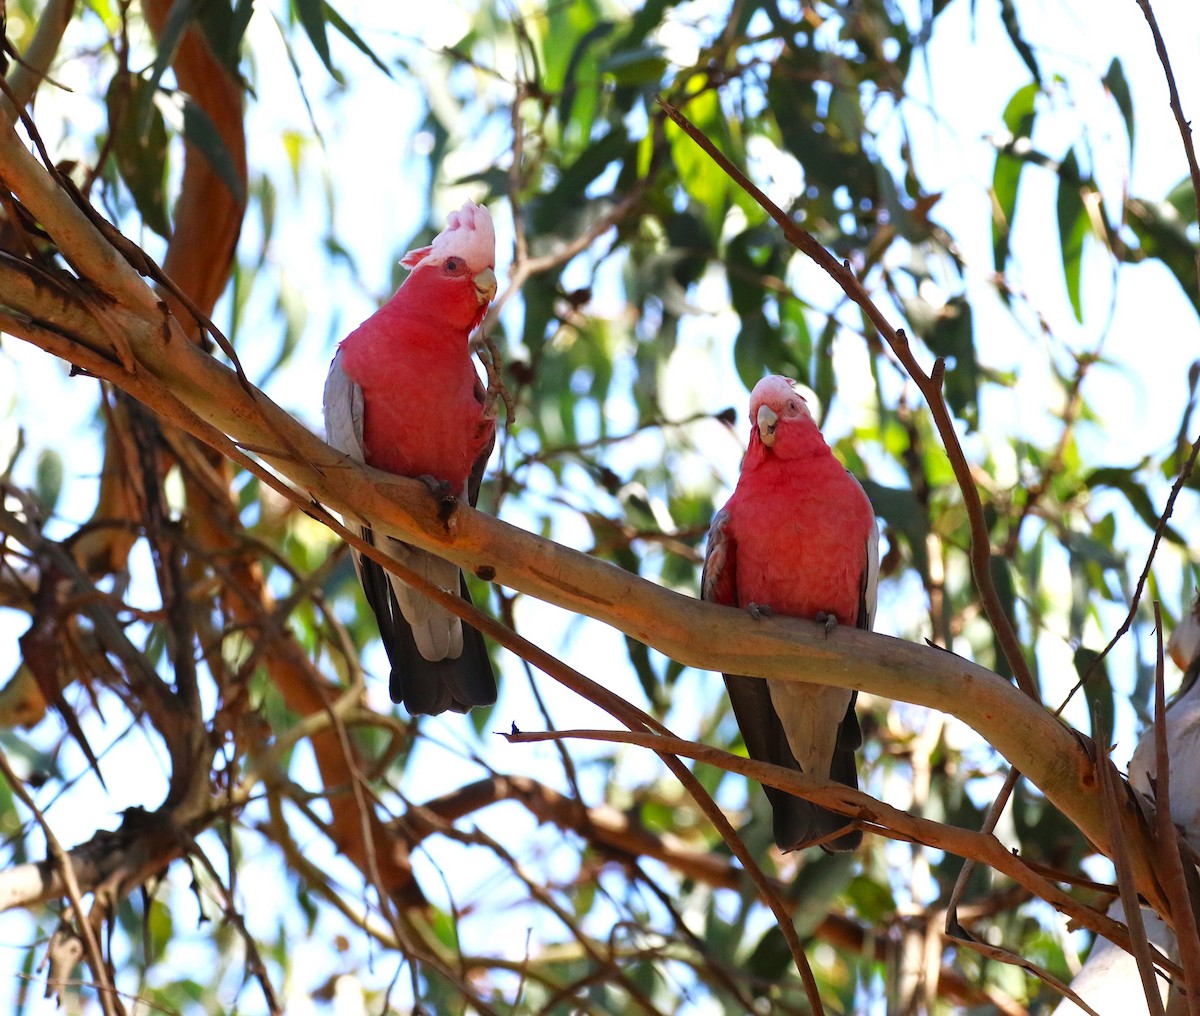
[[254, 960], [1000, 955], [109, 1000], [1185, 128], [989, 824], [1183, 919], [873, 815]]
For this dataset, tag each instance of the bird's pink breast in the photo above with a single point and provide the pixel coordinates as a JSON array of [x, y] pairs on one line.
[[421, 413], [801, 531]]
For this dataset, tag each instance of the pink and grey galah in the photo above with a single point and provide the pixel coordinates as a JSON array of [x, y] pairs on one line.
[[403, 396], [798, 537]]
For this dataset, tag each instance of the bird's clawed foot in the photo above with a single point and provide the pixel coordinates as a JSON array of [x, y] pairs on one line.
[[759, 610], [830, 621], [438, 488], [496, 390], [447, 499]]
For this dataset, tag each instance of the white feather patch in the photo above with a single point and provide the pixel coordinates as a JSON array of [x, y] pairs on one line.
[[469, 234], [811, 715]]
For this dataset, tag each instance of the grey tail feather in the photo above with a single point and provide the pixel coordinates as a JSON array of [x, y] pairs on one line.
[[428, 687], [796, 823]]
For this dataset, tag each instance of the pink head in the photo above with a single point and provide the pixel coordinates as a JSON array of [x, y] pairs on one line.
[[468, 235], [780, 417], [456, 273]]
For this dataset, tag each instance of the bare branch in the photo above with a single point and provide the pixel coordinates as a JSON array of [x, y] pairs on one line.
[[1185, 127], [109, 1000]]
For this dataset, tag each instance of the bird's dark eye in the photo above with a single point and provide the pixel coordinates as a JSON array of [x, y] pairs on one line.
[[453, 264]]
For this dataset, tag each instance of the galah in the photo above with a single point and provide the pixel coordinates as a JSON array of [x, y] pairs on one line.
[[798, 537], [403, 396], [1182, 726], [1109, 981]]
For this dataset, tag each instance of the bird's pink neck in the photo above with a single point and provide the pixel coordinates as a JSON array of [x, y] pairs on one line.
[[429, 295], [792, 443]]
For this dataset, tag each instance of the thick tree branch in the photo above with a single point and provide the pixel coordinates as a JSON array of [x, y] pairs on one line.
[[191, 389]]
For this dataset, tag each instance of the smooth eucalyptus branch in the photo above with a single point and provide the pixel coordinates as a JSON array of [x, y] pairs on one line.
[[192, 390], [930, 386], [102, 268]]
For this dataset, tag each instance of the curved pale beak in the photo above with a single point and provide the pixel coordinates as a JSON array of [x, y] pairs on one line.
[[767, 418], [485, 285]]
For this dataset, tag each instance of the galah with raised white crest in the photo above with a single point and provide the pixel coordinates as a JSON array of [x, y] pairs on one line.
[[403, 395], [798, 537]]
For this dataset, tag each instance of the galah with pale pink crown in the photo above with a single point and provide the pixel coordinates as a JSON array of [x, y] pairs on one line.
[[798, 537], [403, 395]]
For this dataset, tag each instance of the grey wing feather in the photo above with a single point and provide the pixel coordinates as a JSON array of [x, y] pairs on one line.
[[869, 593], [344, 411], [475, 480], [436, 665]]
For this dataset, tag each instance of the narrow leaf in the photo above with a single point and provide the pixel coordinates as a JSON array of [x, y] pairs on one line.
[[1008, 15], [1006, 177], [356, 40], [1162, 234], [312, 17], [202, 132], [140, 154], [1098, 691], [178, 19], [953, 336], [1072, 228], [1139, 500], [1118, 88]]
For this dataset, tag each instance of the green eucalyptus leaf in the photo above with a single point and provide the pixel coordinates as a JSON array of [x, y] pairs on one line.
[[1118, 88], [311, 14], [1072, 229], [1019, 117], [140, 152]]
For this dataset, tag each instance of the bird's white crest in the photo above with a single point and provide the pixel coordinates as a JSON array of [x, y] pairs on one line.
[[469, 234]]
